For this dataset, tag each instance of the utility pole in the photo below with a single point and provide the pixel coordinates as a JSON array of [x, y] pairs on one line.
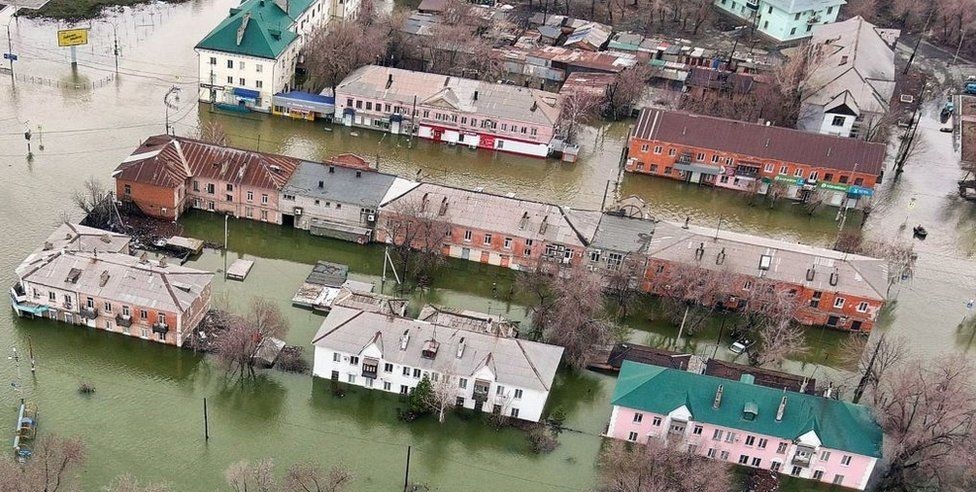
[[206, 422], [115, 50], [226, 217], [173, 91], [606, 190], [10, 54], [406, 473], [867, 372], [30, 352], [962, 36], [918, 41]]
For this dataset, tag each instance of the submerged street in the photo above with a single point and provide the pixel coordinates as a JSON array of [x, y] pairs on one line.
[[146, 414]]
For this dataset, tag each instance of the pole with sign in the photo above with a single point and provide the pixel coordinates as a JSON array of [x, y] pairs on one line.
[[9, 55], [73, 38]]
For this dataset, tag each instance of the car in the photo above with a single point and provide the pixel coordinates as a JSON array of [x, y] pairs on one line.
[[741, 345]]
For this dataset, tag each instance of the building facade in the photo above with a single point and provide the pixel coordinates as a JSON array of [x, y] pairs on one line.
[[517, 234], [478, 371], [447, 109], [167, 175], [103, 287], [755, 158], [739, 422], [851, 81], [251, 55], [783, 20]]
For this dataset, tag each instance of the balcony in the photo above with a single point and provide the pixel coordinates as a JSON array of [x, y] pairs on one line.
[[123, 320], [370, 367], [161, 328], [802, 456], [17, 293], [89, 312], [481, 391]]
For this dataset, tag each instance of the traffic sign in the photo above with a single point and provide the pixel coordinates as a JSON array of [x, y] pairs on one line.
[[10, 56]]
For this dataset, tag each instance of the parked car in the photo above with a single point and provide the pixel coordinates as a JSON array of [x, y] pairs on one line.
[[741, 345]]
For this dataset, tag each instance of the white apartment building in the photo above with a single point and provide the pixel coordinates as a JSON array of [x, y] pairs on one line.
[[489, 373], [251, 55]]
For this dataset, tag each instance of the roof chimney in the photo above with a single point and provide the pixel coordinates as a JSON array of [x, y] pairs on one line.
[[718, 397], [331, 169], [404, 339], [48, 245], [523, 220], [443, 208], [359, 174], [781, 409], [475, 95], [162, 262], [321, 184], [103, 278], [460, 350], [389, 81]]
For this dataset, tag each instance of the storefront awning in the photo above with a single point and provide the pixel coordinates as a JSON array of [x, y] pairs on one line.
[[693, 167], [305, 101], [246, 93]]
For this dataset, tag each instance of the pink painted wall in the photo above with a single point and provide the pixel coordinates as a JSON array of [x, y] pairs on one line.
[[622, 424]]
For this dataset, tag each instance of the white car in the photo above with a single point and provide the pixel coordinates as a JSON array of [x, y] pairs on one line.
[[741, 345]]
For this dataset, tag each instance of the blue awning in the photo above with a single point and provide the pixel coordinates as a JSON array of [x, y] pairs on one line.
[[246, 93], [348, 112], [305, 101]]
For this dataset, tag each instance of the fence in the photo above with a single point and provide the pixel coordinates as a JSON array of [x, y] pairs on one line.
[[60, 84]]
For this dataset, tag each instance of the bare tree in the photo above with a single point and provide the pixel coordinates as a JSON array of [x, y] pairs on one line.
[[239, 342], [212, 132], [899, 255], [416, 229], [308, 477], [93, 200], [537, 287], [623, 282], [867, 9], [54, 467], [661, 466], [626, 91], [872, 360], [578, 109], [335, 49], [245, 476], [443, 394], [127, 483], [788, 79], [927, 409], [690, 293], [779, 341]]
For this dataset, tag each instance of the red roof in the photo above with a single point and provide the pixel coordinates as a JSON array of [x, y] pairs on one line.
[[167, 161], [351, 161], [760, 141]]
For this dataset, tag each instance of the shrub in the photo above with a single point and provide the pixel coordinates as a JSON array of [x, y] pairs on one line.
[[541, 441]]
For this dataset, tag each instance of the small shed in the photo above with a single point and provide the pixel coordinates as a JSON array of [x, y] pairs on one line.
[[239, 269]]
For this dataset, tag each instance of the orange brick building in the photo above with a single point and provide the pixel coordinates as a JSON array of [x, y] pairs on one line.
[[752, 157]]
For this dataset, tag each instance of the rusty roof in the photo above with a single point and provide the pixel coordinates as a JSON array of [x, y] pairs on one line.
[[760, 141], [167, 161]]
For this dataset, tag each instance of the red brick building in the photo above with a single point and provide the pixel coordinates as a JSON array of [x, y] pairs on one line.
[[167, 175], [753, 157]]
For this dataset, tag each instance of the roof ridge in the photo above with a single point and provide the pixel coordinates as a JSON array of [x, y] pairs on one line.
[[518, 343], [340, 325]]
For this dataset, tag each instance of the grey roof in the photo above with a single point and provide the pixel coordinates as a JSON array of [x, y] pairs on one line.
[[514, 362], [494, 100], [624, 234], [852, 58], [328, 274], [77, 237], [469, 320], [857, 275], [793, 6], [370, 301], [420, 23], [504, 215], [340, 185], [123, 278]]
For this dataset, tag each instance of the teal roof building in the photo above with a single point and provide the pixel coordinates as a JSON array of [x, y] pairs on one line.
[[259, 28]]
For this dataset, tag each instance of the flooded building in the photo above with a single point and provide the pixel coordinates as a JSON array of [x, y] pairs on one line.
[[337, 199], [85, 276], [447, 109], [852, 79], [755, 158], [518, 234], [167, 175], [251, 55], [470, 320], [802, 435], [478, 371]]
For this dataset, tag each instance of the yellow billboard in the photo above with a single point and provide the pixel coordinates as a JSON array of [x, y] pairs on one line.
[[72, 37]]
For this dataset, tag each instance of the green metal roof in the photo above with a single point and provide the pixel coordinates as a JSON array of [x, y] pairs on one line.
[[267, 33], [839, 425]]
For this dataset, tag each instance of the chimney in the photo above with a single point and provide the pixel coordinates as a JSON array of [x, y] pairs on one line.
[[423, 202], [48, 246], [781, 409], [331, 169], [404, 339], [829, 391], [389, 81], [103, 278], [359, 174], [544, 224], [475, 95], [162, 262], [524, 220], [843, 60], [718, 397], [834, 277], [321, 184], [460, 350], [443, 209], [803, 386], [144, 258]]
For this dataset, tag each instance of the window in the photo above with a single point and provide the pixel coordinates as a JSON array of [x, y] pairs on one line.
[[632, 437], [656, 421], [838, 479], [814, 175], [717, 435], [798, 173], [837, 121], [386, 386], [672, 152], [762, 443], [515, 412], [416, 373], [845, 460], [829, 177], [724, 456], [775, 466], [747, 285], [264, 198], [797, 16], [460, 401], [796, 471], [467, 235], [499, 390], [769, 168], [697, 430], [858, 181], [730, 437], [658, 149], [781, 448], [230, 79], [818, 475], [825, 456], [404, 389], [756, 462], [843, 180], [508, 243], [264, 215], [701, 156], [638, 417], [387, 367], [108, 306], [862, 307], [161, 318], [259, 84], [487, 239], [715, 158], [462, 383], [809, 27], [243, 82], [143, 314], [711, 453], [838, 302], [229, 198], [692, 448], [352, 379], [230, 63], [750, 440], [258, 68], [784, 170], [336, 357], [353, 359], [406, 371], [830, 10], [770, 10], [518, 394]]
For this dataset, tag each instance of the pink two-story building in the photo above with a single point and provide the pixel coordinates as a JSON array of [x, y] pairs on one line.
[[739, 422], [448, 109]]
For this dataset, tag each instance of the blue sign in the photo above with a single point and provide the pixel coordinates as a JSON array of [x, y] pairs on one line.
[[860, 190], [10, 56]]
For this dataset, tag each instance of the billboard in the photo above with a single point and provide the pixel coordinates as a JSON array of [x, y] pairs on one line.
[[72, 37]]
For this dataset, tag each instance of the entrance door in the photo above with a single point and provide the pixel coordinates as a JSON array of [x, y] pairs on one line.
[[478, 405], [855, 326], [465, 253], [832, 321]]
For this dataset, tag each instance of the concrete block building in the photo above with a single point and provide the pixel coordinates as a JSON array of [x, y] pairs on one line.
[[783, 20]]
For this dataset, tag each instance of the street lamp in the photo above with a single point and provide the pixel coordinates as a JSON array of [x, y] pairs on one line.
[[175, 93]]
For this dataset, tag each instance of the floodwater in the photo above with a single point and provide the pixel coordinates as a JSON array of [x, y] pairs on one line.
[[146, 414]]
